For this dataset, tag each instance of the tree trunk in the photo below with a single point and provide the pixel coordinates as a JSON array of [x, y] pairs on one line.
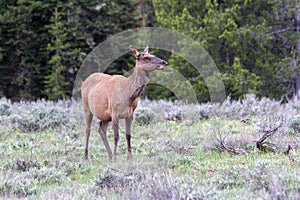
[[297, 88], [297, 79]]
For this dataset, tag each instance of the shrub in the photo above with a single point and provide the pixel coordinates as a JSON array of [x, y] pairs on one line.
[[21, 184], [144, 115], [21, 165], [39, 115], [25, 183], [25, 122], [294, 124], [106, 179], [48, 175], [204, 111], [5, 109], [174, 115], [38, 118]]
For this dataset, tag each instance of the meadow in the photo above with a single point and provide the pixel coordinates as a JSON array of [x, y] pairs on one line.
[[245, 149]]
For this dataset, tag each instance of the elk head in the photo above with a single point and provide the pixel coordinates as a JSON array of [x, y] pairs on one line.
[[146, 61]]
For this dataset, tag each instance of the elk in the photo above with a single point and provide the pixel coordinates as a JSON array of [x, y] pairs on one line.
[[114, 97]]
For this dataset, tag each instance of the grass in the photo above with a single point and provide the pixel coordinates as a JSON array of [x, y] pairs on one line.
[[179, 159]]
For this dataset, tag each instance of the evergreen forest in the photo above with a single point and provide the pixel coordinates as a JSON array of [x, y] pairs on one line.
[[254, 43]]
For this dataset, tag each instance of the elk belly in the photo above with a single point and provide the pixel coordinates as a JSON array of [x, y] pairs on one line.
[[99, 106]]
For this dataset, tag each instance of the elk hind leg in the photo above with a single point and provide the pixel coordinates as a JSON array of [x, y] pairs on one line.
[[88, 117], [102, 131]]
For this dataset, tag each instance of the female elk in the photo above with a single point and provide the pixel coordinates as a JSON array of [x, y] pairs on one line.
[[110, 98]]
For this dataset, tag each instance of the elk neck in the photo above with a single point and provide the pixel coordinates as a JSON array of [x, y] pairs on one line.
[[137, 83]]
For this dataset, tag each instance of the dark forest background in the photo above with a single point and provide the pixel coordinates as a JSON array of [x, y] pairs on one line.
[[254, 43]]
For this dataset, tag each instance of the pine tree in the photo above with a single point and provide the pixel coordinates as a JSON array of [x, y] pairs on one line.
[[20, 45], [29, 67], [60, 50], [237, 36]]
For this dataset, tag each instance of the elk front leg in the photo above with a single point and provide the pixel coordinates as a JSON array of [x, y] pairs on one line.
[[128, 122], [102, 132], [115, 126]]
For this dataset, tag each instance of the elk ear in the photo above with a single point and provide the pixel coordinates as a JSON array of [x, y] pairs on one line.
[[146, 49], [134, 52]]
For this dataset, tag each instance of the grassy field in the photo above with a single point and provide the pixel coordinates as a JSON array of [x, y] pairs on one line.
[[206, 151]]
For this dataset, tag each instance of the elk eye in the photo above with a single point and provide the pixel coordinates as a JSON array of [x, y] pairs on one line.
[[147, 58]]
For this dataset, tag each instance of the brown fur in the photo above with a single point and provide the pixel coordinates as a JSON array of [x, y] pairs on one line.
[[110, 98]]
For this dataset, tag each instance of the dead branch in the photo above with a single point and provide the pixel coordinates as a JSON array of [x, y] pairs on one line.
[[266, 146], [223, 146]]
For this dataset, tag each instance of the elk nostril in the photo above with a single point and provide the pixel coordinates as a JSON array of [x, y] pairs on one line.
[[165, 62]]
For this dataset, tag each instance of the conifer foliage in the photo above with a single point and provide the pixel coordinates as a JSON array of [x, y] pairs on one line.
[[254, 43], [43, 42]]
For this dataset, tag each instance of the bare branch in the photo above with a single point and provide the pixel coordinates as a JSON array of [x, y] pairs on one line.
[[280, 31], [266, 146], [223, 146]]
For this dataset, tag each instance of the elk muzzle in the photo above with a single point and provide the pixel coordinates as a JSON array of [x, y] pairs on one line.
[[162, 64]]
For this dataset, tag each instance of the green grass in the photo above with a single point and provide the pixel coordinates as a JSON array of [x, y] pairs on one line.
[[171, 160]]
